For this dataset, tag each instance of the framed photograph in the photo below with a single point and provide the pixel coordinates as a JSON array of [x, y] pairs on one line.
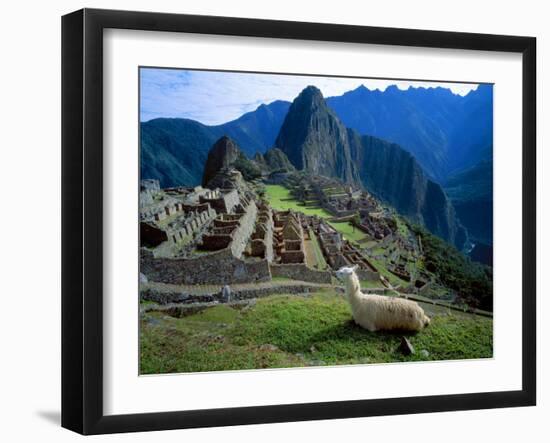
[[269, 221]]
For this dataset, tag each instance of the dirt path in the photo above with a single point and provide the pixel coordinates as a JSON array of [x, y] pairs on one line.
[[209, 289], [296, 286]]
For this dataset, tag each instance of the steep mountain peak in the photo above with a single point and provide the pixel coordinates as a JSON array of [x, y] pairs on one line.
[[311, 97], [311, 90], [392, 89], [360, 92], [223, 154], [484, 92], [225, 146], [314, 139]]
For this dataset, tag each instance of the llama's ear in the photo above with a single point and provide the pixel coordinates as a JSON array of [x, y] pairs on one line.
[[355, 267]]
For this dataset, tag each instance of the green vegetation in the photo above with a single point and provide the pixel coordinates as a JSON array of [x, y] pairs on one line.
[[378, 251], [471, 280], [392, 278], [281, 199], [314, 248], [371, 284], [280, 279], [290, 331], [401, 227], [247, 168], [349, 231]]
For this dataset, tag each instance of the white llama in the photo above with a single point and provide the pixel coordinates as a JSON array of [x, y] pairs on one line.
[[378, 312]]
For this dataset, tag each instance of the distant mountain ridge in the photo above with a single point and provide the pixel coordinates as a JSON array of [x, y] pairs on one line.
[[174, 150], [445, 132], [256, 131], [471, 192]]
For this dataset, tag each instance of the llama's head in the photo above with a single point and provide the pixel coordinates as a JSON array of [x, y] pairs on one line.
[[346, 272]]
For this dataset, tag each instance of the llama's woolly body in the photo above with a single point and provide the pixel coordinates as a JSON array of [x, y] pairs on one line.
[[377, 312]]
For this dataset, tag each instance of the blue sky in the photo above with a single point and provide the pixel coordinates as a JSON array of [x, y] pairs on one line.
[[215, 97]]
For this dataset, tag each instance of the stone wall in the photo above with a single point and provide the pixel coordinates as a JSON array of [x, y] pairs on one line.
[[367, 274], [276, 178], [215, 242], [338, 211], [222, 202], [412, 289], [300, 272], [268, 239], [263, 233], [145, 198], [219, 267], [191, 225], [292, 256], [423, 289], [172, 297], [202, 207], [151, 235], [149, 184], [242, 234], [257, 248]]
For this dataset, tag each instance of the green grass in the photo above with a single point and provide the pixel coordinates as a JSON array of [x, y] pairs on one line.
[[402, 227], [371, 284], [321, 262], [392, 278], [280, 279], [293, 331], [378, 251], [348, 231], [281, 199]]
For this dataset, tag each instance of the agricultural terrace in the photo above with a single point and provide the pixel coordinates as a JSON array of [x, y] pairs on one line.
[[280, 198]]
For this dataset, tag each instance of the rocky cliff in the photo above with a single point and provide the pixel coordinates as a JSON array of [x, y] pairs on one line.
[[222, 155], [225, 154], [471, 192], [276, 160], [314, 139]]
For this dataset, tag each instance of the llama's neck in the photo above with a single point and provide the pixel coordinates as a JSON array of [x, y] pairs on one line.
[[353, 287]]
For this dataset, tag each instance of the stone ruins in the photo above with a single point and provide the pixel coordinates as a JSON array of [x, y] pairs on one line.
[[227, 235]]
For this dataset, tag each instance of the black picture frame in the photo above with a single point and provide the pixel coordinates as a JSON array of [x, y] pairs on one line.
[[82, 218]]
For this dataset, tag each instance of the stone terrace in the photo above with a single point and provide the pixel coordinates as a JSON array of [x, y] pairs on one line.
[[288, 237], [339, 252], [173, 215]]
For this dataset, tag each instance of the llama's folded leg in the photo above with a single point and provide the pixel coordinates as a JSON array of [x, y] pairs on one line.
[[371, 327]]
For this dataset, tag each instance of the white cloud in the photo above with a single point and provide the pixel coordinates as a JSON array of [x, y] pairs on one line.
[[214, 97]]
